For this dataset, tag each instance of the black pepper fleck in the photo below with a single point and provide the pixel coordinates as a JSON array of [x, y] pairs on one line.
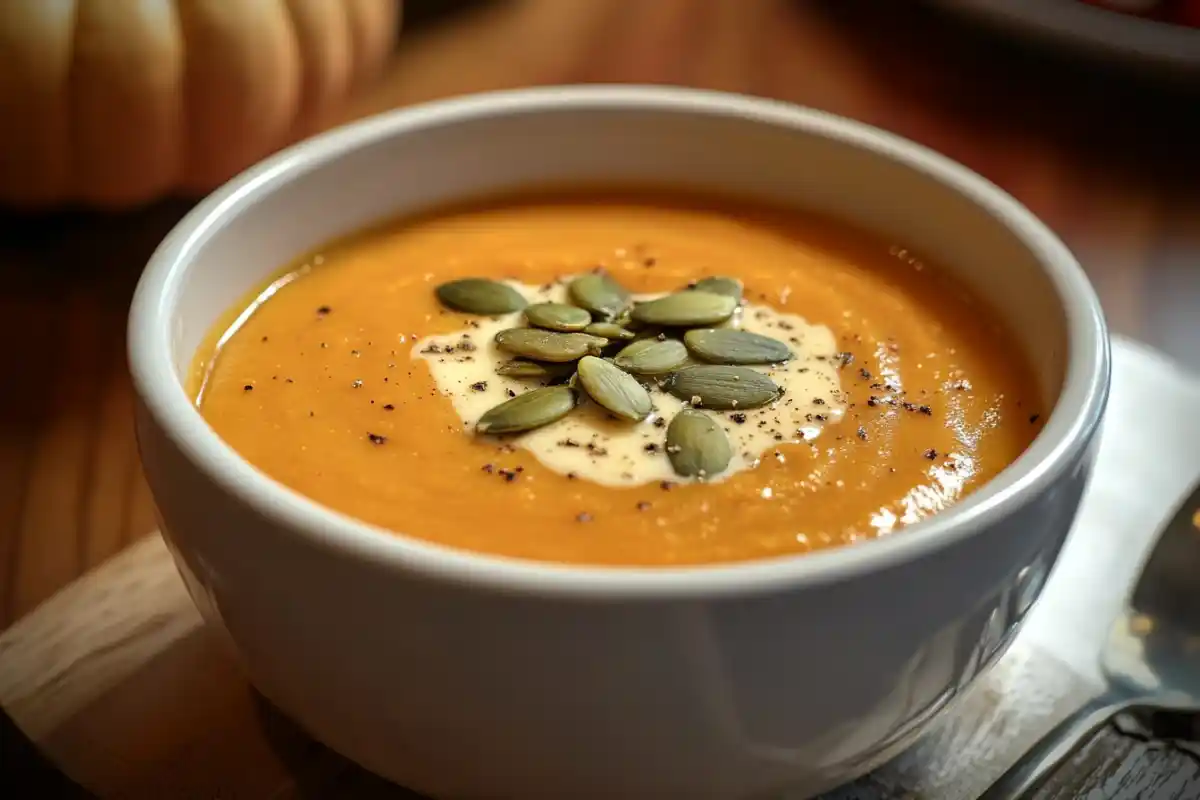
[[643, 505], [739, 418], [323, 310], [376, 438], [479, 386], [247, 388], [1034, 418], [389, 407], [931, 454], [862, 433]]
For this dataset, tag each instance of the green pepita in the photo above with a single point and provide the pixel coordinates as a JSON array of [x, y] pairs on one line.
[[719, 284], [557, 317], [540, 345], [520, 368], [528, 411], [601, 295], [696, 445], [652, 356], [609, 330], [480, 296], [723, 387], [686, 309], [614, 389], [728, 346]]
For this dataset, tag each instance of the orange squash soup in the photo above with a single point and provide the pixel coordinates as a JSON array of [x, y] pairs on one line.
[[620, 379]]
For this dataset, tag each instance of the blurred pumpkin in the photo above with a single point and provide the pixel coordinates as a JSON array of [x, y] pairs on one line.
[[115, 102]]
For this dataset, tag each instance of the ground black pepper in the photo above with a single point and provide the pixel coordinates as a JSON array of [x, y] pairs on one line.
[[1034, 418], [862, 433], [323, 310], [643, 505], [376, 438], [479, 386], [247, 388], [931, 454]]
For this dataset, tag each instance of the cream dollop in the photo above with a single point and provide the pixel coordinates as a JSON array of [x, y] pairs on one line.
[[590, 445]]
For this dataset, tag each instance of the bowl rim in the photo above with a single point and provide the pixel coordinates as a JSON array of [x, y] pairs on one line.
[[1060, 445]]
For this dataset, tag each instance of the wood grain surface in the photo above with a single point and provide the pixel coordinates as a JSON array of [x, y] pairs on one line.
[[1110, 159]]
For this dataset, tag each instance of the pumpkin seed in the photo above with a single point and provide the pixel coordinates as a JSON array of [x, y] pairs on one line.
[[528, 411], [729, 346], [723, 387], [609, 330], [696, 445], [480, 296], [557, 317], [599, 294], [542, 345], [686, 309], [613, 388], [652, 356], [719, 284], [520, 368]]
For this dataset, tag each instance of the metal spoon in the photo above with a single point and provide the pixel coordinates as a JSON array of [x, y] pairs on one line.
[[1152, 658]]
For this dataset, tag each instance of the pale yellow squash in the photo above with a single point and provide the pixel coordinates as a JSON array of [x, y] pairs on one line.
[[116, 102]]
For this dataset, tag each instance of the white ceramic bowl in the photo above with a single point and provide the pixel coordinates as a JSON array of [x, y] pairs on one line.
[[467, 675]]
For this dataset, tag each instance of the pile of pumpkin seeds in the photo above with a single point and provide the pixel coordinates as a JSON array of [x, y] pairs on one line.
[[613, 349]]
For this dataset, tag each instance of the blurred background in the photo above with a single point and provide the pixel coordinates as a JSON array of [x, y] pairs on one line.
[[117, 116]]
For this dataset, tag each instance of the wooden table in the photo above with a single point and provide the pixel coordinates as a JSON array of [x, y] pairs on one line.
[[1110, 160]]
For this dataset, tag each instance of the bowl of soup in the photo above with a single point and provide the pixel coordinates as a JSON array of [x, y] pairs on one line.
[[615, 441]]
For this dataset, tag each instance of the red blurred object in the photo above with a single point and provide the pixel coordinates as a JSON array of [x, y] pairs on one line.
[[1180, 12], [1189, 13]]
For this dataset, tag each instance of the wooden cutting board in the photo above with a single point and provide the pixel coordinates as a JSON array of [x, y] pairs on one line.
[[118, 681]]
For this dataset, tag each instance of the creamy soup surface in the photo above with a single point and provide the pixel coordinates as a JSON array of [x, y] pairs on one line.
[[347, 380]]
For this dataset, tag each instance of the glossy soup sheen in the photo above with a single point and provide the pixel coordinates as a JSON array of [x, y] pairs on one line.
[[316, 384]]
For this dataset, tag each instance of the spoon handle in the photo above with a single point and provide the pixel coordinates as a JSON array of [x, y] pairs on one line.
[[1032, 769]]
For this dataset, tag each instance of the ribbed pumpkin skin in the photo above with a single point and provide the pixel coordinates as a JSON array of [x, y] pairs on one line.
[[112, 103]]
